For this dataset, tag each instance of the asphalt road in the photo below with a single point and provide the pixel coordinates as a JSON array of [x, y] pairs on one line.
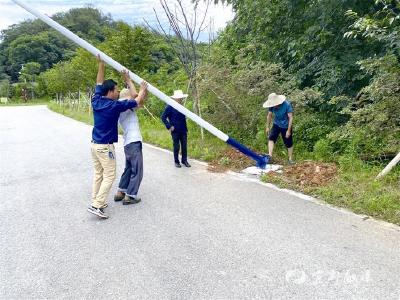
[[195, 235]]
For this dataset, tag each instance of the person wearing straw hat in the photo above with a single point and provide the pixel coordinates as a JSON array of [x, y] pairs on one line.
[[175, 122], [282, 110], [132, 176]]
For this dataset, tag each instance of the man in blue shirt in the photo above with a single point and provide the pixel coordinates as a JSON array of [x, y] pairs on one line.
[[282, 110], [175, 122], [106, 112]]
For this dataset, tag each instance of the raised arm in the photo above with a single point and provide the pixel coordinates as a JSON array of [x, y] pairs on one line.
[[131, 86], [165, 117], [142, 93], [101, 71], [129, 104], [289, 131], [268, 124]]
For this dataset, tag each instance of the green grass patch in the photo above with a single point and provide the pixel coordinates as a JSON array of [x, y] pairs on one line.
[[356, 189], [82, 115], [19, 102]]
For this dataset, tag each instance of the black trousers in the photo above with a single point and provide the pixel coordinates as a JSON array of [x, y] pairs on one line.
[[180, 141], [276, 131]]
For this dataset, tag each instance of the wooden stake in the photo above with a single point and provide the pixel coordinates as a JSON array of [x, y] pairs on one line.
[[389, 167]]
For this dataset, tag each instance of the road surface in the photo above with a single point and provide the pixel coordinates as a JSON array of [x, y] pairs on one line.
[[195, 235]]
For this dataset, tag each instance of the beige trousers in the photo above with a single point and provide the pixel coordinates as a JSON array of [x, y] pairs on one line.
[[103, 156]]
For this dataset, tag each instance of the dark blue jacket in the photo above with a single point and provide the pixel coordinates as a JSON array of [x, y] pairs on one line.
[[172, 117], [106, 113]]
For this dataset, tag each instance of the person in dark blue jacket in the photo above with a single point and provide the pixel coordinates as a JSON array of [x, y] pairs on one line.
[[175, 122], [106, 112]]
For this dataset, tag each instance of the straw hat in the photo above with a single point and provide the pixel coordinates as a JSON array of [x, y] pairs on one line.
[[124, 94], [274, 100], [178, 94]]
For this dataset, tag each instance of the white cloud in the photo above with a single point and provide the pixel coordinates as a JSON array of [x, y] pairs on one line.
[[132, 12]]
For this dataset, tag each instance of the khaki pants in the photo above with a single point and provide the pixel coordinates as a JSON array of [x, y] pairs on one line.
[[104, 172]]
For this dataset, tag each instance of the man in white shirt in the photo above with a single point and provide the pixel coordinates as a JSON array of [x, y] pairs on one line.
[[132, 176]]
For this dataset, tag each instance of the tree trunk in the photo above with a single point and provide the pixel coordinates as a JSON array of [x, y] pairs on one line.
[[79, 98], [196, 104], [89, 103]]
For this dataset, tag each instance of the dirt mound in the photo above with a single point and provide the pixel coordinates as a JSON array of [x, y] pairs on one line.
[[302, 174], [231, 159], [311, 173]]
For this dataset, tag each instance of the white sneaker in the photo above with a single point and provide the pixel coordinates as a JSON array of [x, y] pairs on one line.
[[98, 212]]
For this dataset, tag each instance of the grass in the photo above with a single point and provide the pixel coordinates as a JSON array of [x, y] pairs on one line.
[[81, 115], [18, 102], [154, 132], [354, 188]]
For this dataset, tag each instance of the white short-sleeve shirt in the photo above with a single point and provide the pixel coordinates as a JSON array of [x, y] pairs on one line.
[[129, 122]]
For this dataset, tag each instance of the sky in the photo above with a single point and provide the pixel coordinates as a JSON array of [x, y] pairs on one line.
[[130, 11]]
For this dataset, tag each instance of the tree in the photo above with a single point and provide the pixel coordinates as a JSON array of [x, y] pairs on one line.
[[306, 37], [34, 41], [29, 72], [87, 22], [132, 47], [185, 43], [5, 88], [373, 130]]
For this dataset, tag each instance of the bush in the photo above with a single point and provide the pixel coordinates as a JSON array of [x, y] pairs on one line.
[[310, 128], [323, 150]]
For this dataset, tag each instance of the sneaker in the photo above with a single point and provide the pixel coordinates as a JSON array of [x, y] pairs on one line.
[[104, 206], [291, 162], [117, 197], [98, 212], [178, 165], [186, 164], [130, 200]]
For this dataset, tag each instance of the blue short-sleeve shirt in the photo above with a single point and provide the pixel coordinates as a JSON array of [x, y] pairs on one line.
[[106, 113], [280, 112]]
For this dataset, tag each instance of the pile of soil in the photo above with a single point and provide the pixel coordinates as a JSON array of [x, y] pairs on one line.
[[311, 173], [231, 159], [303, 174]]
